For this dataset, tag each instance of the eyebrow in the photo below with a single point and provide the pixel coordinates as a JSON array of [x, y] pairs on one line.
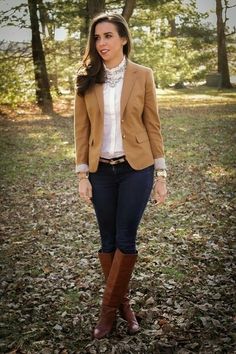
[[96, 35]]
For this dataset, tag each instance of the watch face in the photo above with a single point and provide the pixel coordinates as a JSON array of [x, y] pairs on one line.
[[161, 173]]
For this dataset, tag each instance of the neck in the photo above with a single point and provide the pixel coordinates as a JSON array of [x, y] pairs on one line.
[[114, 63]]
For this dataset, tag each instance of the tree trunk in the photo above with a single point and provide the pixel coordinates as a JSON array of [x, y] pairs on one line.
[[223, 67], [43, 95], [173, 29], [128, 9], [47, 26], [95, 7], [70, 78]]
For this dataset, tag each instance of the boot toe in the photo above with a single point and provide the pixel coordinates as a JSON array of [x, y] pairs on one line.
[[133, 328], [99, 334], [106, 323], [103, 332]]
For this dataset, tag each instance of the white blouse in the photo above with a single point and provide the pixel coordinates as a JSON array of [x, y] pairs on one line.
[[112, 144]]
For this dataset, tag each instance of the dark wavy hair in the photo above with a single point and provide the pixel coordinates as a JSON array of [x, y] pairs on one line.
[[92, 69]]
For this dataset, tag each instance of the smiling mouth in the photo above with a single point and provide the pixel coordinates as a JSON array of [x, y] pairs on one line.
[[104, 51]]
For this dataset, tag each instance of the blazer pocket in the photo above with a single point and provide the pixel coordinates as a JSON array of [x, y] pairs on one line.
[[142, 137]]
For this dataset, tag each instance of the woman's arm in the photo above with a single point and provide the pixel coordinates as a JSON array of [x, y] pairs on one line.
[[81, 134], [151, 119], [153, 126]]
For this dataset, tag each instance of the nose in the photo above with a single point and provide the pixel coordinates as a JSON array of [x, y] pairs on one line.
[[102, 42]]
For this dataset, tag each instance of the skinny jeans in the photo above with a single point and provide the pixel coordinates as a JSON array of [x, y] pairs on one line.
[[120, 195]]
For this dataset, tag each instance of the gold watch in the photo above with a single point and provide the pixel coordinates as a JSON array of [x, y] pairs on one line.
[[161, 173], [85, 176]]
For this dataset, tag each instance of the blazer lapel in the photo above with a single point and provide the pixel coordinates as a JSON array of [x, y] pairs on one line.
[[99, 95], [129, 79]]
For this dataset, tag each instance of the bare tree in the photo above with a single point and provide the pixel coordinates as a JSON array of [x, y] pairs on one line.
[[95, 7], [128, 9], [48, 27], [223, 67], [173, 29], [43, 95]]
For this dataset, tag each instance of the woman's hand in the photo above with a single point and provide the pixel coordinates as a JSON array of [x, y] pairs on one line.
[[85, 189], [160, 191]]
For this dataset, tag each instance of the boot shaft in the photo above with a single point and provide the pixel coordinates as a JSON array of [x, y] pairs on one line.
[[106, 260], [118, 278]]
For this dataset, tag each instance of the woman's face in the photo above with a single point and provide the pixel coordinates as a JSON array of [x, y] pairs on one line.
[[109, 44]]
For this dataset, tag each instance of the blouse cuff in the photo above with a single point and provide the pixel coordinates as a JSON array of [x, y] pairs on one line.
[[82, 168], [160, 163]]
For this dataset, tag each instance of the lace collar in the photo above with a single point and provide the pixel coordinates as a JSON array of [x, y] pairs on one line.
[[115, 75]]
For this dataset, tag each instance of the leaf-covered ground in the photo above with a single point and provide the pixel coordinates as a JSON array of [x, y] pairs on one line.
[[184, 281]]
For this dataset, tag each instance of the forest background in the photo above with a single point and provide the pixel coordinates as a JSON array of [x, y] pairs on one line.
[[170, 36]]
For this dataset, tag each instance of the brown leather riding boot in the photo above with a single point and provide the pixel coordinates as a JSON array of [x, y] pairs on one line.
[[106, 260], [128, 315], [125, 309], [116, 287]]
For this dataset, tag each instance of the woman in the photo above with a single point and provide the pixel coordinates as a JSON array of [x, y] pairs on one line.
[[118, 145]]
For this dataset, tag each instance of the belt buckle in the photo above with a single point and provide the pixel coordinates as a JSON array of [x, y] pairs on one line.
[[114, 162]]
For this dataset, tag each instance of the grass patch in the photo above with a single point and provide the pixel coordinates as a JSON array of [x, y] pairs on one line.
[[173, 273], [31, 150], [200, 96]]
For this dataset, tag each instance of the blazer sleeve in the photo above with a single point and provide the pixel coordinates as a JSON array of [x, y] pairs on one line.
[[81, 131], [151, 117]]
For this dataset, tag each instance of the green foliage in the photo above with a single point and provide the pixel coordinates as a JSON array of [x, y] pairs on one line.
[[62, 63], [183, 55], [16, 80]]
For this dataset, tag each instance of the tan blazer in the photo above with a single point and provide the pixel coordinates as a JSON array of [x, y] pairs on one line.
[[140, 123]]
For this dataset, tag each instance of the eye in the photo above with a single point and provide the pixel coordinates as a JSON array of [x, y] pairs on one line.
[[108, 35], [96, 38]]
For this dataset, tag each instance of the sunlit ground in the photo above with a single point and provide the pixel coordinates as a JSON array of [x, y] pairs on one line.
[[196, 96]]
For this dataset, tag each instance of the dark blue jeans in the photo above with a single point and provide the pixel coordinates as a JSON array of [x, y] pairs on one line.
[[120, 195]]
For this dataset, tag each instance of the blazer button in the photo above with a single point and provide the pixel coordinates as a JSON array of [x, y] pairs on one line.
[[123, 136], [122, 120]]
